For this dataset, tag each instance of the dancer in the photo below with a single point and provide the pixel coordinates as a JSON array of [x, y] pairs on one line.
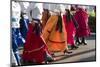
[[17, 39], [54, 32], [24, 21], [35, 49], [83, 30], [70, 25]]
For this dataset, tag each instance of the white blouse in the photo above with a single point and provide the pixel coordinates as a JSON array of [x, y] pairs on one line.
[[16, 11], [56, 9], [24, 6], [36, 9]]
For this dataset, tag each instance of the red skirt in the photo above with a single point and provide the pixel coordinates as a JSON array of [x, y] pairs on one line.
[[70, 29], [34, 49], [82, 19]]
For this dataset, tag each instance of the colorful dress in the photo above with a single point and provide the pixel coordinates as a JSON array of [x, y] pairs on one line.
[[35, 49], [81, 17], [54, 35], [70, 30]]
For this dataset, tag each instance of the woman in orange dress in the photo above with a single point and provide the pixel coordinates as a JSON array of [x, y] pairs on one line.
[[54, 33]]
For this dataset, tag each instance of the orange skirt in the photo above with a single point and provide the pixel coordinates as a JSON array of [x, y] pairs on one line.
[[55, 40]]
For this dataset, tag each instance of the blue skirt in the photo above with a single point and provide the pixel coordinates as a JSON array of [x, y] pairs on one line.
[[17, 39], [24, 27]]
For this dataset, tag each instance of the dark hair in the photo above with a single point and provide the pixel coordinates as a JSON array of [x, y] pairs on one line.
[[37, 28], [59, 24], [68, 15], [21, 15]]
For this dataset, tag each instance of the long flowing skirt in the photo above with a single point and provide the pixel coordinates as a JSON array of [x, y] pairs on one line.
[[35, 48], [82, 19], [70, 29], [55, 40]]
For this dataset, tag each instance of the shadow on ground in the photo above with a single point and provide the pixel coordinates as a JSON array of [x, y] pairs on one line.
[[68, 56]]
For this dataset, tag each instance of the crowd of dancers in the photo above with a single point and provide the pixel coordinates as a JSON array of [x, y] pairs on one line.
[[41, 29]]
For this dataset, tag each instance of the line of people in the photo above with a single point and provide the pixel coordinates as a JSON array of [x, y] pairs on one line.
[[44, 29]]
